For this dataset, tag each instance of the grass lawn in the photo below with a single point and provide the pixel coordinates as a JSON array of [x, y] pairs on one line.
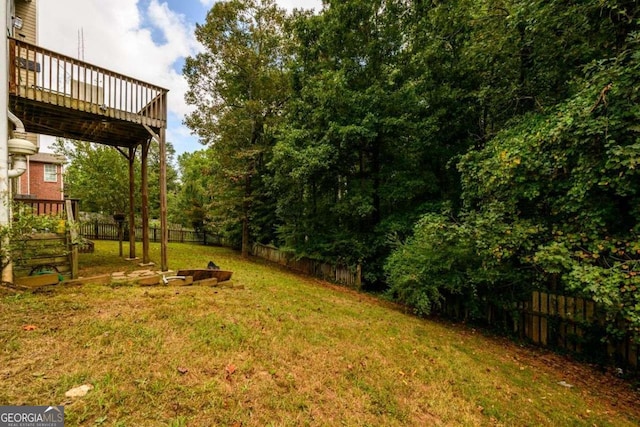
[[284, 351]]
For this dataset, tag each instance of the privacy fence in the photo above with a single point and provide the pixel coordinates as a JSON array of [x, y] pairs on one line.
[[337, 273], [563, 322]]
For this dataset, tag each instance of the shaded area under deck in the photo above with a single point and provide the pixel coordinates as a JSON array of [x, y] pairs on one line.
[[60, 96]]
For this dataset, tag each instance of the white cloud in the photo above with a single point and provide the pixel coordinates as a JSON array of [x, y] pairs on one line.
[[301, 4], [119, 36], [287, 4]]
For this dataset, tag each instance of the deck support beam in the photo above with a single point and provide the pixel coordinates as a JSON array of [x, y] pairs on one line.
[[163, 200], [164, 231], [132, 203], [144, 191]]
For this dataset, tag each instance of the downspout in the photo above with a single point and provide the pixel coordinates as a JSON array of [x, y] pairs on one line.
[[16, 122], [19, 166], [19, 147]]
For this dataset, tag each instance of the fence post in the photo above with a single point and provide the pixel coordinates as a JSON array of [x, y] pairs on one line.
[[73, 234], [95, 228]]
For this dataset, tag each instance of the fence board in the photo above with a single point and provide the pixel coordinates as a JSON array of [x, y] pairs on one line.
[[562, 321], [336, 273], [98, 230]]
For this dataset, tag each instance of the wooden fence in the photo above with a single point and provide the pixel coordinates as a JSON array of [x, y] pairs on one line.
[[100, 230], [575, 324], [337, 273], [563, 322]]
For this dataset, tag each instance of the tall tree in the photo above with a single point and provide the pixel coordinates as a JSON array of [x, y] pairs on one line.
[[354, 161], [238, 86]]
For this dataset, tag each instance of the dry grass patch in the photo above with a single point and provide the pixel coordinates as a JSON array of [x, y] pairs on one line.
[[286, 350]]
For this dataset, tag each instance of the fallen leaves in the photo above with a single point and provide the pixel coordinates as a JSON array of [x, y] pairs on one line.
[[29, 327], [230, 369]]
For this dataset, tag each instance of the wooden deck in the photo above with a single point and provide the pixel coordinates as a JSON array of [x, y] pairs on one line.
[[60, 96]]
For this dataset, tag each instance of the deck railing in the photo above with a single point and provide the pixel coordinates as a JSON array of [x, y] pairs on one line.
[[42, 75]]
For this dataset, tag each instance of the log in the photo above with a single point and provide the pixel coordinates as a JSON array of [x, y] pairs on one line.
[[204, 273]]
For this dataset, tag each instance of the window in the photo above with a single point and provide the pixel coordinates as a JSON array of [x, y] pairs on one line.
[[50, 173]]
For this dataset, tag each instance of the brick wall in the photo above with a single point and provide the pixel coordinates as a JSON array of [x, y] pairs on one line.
[[32, 183]]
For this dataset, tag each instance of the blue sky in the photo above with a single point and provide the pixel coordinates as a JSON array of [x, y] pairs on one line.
[[144, 39]]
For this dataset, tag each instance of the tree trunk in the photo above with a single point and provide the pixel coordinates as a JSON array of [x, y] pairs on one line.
[[246, 206], [375, 171], [245, 237]]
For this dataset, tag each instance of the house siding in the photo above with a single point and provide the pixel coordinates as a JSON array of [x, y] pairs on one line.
[[27, 11]]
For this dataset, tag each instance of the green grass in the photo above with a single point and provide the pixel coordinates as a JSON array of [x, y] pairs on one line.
[[285, 350]]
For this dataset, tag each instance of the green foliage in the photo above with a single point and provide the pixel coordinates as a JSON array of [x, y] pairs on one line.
[[552, 202], [351, 163], [238, 85], [193, 197], [493, 121], [98, 175], [15, 237], [387, 94], [438, 258]]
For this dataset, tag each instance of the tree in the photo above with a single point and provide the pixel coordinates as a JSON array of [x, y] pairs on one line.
[[360, 155], [193, 197], [550, 194], [98, 175], [238, 86]]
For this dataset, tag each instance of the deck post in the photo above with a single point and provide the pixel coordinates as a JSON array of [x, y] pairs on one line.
[[163, 200], [132, 203], [144, 190], [164, 231], [73, 238]]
